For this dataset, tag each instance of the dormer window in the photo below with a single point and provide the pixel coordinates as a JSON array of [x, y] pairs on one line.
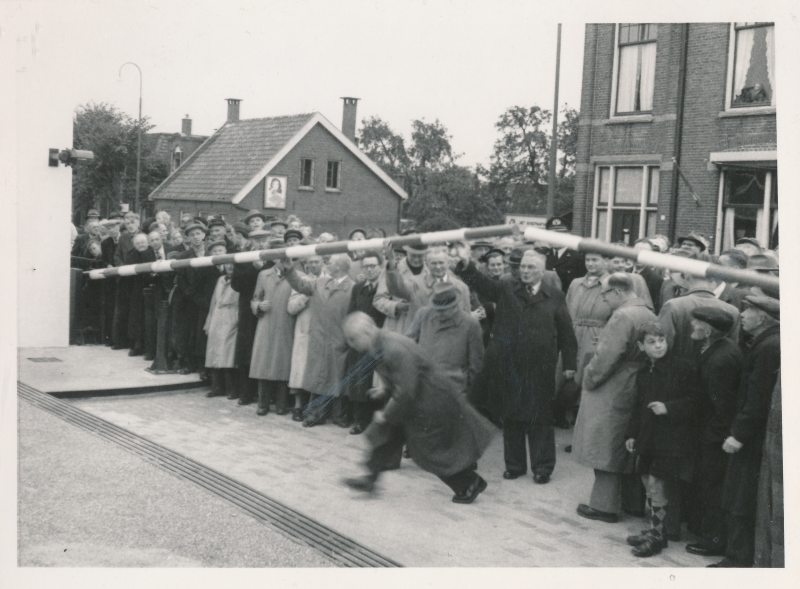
[[177, 158]]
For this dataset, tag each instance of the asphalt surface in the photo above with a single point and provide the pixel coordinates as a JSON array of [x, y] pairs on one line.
[[84, 502]]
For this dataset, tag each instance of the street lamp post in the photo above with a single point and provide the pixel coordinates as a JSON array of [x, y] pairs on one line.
[[551, 188], [139, 138]]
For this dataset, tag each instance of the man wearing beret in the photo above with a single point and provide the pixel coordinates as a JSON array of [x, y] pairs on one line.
[[720, 372], [567, 263], [761, 320]]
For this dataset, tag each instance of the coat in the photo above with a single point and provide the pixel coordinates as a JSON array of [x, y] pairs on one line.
[[387, 304], [418, 291], [609, 391], [326, 345], [769, 541], [569, 266], [124, 246], [298, 307], [221, 326], [274, 339], [444, 434], [243, 281], [589, 313], [676, 319], [452, 340], [194, 288], [720, 374], [135, 285], [654, 279], [528, 333], [676, 383], [759, 376], [358, 371]]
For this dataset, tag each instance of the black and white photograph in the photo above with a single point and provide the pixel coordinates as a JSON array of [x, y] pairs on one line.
[[489, 291]]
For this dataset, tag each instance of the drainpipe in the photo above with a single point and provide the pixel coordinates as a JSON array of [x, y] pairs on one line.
[[676, 154]]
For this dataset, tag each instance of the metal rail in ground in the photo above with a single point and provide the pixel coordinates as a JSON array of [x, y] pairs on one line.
[[333, 545]]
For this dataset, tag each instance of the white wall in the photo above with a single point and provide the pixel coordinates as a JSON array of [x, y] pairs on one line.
[[43, 194]]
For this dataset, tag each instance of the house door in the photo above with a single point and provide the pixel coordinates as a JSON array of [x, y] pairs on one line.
[[625, 226]]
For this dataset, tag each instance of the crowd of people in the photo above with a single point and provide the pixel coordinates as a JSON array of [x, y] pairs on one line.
[[672, 381]]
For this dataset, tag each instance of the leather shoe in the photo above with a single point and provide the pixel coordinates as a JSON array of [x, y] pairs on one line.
[[262, 411], [510, 475], [135, 352], [477, 487], [244, 401], [233, 396], [297, 415], [364, 483], [283, 411], [589, 513], [357, 429], [118, 347], [726, 563], [703, 550], [541, 478]]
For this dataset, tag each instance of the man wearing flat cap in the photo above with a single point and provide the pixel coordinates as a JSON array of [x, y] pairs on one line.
[[761, 320], [720, 364]]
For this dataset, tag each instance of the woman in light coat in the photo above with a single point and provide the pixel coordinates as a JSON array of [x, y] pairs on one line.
[[221, 326]]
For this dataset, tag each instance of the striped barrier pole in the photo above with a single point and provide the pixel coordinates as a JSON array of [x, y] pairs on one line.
[[658, 260], [304, 251]]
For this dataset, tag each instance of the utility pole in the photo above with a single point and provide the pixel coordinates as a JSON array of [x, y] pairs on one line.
[[551, 185], [136, 206]]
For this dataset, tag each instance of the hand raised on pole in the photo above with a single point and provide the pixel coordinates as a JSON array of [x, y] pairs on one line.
[[388, 253]]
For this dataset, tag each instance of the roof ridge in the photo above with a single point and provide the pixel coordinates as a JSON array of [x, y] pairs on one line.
[[304, 114]]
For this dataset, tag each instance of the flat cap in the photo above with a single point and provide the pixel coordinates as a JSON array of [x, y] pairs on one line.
[[770, 306], [292, 233], [762, 263], [416, 249], [716, 318], [217, 242], [194, 226], [277, 222], [255, 213], [216, 222]]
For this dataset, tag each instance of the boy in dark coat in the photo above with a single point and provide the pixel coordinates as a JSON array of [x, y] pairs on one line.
[[660, 431]]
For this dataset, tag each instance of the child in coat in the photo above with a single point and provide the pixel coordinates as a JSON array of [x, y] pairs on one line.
[[661, 429]]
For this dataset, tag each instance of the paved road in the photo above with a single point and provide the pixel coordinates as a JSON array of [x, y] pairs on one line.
[[85, 502], [411, 520]]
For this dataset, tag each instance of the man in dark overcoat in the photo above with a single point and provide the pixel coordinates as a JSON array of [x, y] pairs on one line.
[[531, 327], [443, 433], [243, 281], [720, 371], [359, 371], [761, 320]]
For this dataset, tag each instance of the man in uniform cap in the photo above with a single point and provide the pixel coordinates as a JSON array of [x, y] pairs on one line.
[[567, 263], [720, 363], [761, 320], [292, 237]]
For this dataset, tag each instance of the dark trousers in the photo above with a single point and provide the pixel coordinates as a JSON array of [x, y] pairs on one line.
[[460, 481], [364, 410], [541, 443], [248, 387], [740, 533], [276, 391], [388, 454], [109, 299], [343, 409], [710, 483], [121, 314], [223, 380]]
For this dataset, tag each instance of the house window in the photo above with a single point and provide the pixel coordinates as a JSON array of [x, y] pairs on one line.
[[333, 179], [306, 173], [635, 68], [750, 207], [753, 65], [626, 203], [177, 158]]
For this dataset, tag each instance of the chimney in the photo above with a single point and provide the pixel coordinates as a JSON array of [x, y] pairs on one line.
[[233, 109], [186, 125], [349, 117]]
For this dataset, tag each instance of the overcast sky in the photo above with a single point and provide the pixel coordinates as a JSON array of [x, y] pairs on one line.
[[463, 63]]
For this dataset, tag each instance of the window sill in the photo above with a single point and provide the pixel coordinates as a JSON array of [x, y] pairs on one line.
[[335, 190], [306, 188], [747, 112], [619, 120]]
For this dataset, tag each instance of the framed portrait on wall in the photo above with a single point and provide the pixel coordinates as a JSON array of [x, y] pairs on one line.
[[275, 192]]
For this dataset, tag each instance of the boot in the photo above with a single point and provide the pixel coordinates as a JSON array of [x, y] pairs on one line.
[[654, 541]]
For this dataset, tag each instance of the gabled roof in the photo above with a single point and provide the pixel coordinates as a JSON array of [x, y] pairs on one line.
[[238, 156]]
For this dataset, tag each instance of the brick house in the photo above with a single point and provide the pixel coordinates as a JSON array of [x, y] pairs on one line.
[[175, 148], [677, 133], [299, 164]]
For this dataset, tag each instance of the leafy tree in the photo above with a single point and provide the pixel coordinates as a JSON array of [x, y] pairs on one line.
[[385, 147], [110, 178], [430, 146]]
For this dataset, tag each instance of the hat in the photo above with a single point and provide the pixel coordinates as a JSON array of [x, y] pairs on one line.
[[357, 230], [93, 213], [258, 233], [762, 263], [557, 224], [695, 237], [194, 226], [255, 213], [750, 240], [715, 317], [416, 249], [241, 228], [202, 221], [216, 222], [292, 233], [482, 243], [109, 222], [217, 242], [279, 222], [276, 243], [117, 215], [515, 257], [445, 295], [770, 306]]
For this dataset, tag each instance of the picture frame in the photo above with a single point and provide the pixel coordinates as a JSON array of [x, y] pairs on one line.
[[275, 192]]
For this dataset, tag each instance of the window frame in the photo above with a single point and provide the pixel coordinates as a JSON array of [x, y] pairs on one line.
[[176, 152], [300, 184], [765, 231], [729, 79], [338, 187], [643, 114], [644, 207]]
